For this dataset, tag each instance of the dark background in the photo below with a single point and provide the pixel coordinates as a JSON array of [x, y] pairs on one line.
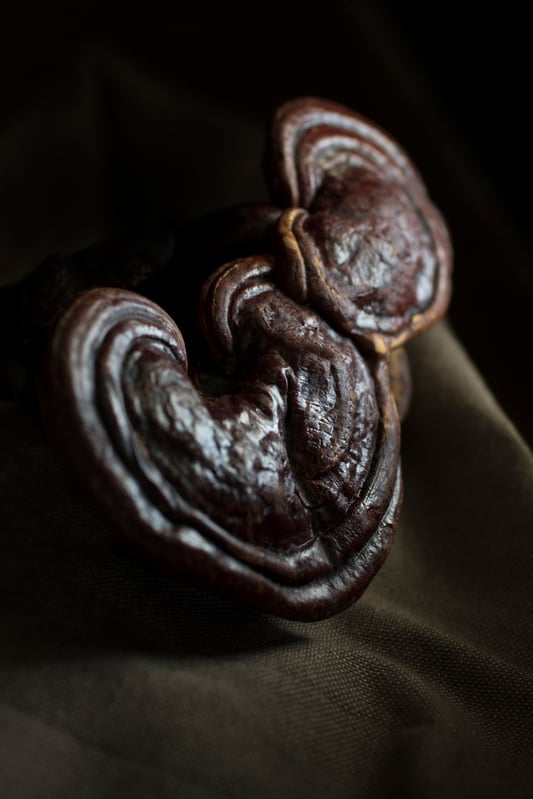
[[471, 67], [118, 681], [452, 87]]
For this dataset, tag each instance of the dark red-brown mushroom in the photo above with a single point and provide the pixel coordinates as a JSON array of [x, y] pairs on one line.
[[269, 470]]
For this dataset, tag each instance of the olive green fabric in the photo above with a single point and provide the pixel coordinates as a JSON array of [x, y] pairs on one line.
[[116, 681]]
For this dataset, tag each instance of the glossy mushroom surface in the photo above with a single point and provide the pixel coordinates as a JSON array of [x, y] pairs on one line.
[[269, 467]]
